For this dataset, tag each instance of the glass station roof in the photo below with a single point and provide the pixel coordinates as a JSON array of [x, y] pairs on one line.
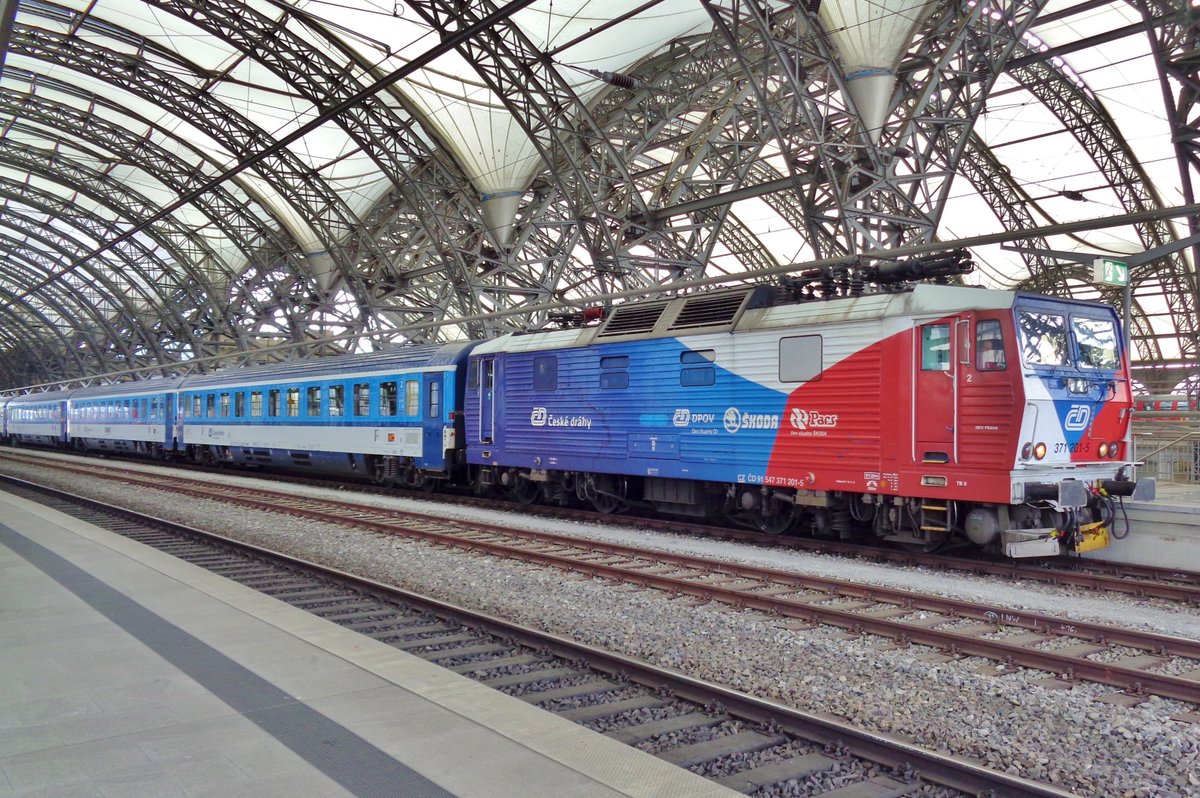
[[182, 181]]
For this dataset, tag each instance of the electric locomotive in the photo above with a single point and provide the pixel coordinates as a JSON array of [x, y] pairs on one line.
[[915, 416]]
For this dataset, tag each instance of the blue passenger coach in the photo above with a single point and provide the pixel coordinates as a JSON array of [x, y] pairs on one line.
[[131, 418], [389, 416], [4, 400], [39, 418]]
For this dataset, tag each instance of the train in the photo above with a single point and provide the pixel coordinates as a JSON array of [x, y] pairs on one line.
[[926, 415]]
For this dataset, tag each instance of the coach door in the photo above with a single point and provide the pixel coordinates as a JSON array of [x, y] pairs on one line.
[[487, 399], [935, 392]]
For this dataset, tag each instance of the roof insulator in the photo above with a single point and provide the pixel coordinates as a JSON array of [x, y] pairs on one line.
[[616, 79]]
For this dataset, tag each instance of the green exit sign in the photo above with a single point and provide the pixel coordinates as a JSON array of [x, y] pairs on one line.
[[1110, 272]]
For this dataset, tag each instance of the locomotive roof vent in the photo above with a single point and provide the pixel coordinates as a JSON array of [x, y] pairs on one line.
[[632, 318], [709, 310]]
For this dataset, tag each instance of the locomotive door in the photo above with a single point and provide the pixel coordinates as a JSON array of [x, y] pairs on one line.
[[935, 392], [487, 399]]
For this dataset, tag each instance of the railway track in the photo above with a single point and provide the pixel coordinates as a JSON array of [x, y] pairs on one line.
[[1136, 663], [742, 742], [1170, 584]]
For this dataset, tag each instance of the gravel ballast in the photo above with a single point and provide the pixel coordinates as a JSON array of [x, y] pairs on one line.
[[1065, 737]]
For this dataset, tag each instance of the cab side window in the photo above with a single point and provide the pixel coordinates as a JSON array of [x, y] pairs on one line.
[[935, 347], [989, 347]]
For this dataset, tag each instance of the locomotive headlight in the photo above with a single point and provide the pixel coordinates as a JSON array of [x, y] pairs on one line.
[[1112, 449], [1039, 451], [1027, 451], [1103, 450]]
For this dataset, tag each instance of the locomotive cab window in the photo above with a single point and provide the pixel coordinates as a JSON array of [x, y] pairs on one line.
[[1097, 342], [1043, 338], [935, 347], [989, 346], [545, 373]]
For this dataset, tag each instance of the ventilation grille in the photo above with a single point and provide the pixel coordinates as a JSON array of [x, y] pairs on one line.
[[632, 319], [709, 311]]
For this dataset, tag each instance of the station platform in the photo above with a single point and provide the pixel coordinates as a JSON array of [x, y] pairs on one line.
[[1164, 533], [129, 673]]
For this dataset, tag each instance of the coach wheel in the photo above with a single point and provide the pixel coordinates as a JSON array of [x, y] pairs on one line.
[[525, 491]]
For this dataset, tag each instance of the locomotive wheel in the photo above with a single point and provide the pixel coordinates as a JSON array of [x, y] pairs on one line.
[[775, 523], [606, 493], [608, 504], [525, 491]]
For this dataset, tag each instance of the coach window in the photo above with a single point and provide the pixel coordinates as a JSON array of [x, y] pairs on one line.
[[989, 346], [239, 404], [388, 399], [614, 371], [293, 402], [274, 410], [314, 401], [1043, 338], [362, 399], [412, 398], [800, 358], [935, 347], [545, 373], [256, 404], [210, 406], [337, 399], [225, 405], [435, 398]]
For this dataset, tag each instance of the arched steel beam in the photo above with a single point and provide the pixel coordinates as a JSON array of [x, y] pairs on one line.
[[48, 205], [1010, 202], [578, 160], [312, 200], [326, 77], [184, 244], [1176, 45], [1100, 137], [231, 215], [243, 221]]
